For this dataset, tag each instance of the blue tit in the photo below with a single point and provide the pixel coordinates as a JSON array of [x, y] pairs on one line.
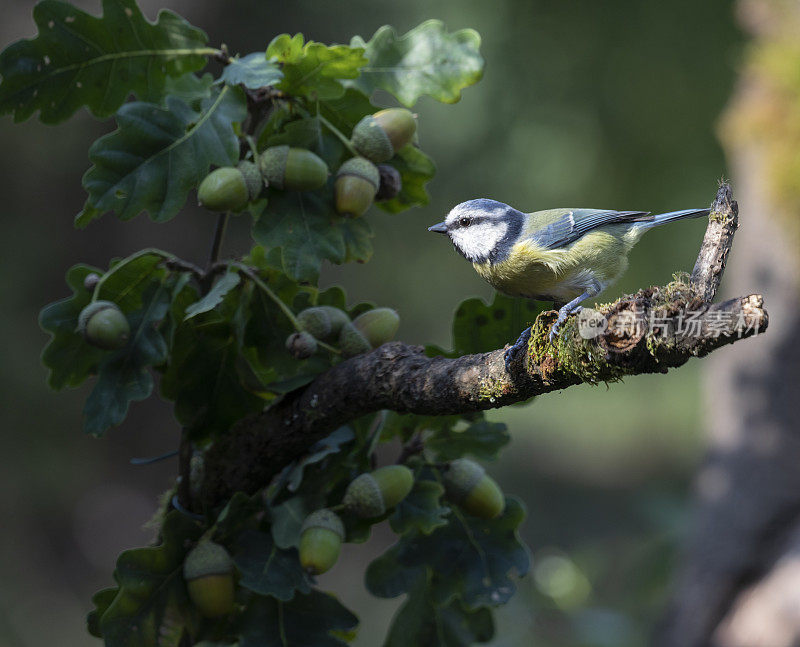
[[559, 255]]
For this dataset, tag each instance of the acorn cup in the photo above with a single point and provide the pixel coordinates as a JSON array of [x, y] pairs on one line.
[[356, 184], [390, 184], [296, 169], [372, 494], [208, 571], [104, 325], [323, 322], [301, 345], [468, 485], [379, 136], [352, 342], [378, 325], [321, 537]]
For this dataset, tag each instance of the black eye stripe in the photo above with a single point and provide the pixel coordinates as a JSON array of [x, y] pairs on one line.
[[466, 221]]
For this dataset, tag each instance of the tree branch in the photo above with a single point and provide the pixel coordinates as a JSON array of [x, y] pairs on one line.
[[649, 332]]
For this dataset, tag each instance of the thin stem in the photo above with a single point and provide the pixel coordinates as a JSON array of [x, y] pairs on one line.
[[284, 308], [338, 133], [219, 234]]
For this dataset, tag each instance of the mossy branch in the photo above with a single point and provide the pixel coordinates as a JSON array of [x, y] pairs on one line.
[[649, 332]]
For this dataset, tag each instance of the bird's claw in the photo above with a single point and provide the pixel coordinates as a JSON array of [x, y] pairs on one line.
[[511, 352]]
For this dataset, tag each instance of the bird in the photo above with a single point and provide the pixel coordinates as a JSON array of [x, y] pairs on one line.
[[561, 255]]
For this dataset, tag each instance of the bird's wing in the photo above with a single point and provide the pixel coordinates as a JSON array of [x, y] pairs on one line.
[[573, 224]]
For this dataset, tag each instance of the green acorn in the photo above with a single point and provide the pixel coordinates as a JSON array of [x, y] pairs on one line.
[[296, 169], [301, 345], [378, 326], [104, 325], [321, 537], [324, 322], [378, 137], [352, 342], [469, 486], [208, 571], [356, 185], [372, 494], [224, 189], [390, 184]]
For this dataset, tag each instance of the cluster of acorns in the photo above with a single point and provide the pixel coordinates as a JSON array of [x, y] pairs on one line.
[[359, 181], [328, 324], [371, 495], [209, 570]]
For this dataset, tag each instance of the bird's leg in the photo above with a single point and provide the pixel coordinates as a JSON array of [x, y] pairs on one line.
[[512, 351], [572, 307]]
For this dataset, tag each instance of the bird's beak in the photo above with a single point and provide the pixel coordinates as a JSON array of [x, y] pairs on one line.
[[439, 228]]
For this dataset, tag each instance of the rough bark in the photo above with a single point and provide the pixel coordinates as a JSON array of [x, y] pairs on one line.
[[402, 378]]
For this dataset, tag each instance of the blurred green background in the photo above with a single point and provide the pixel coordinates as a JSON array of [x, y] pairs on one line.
[[583, 104]]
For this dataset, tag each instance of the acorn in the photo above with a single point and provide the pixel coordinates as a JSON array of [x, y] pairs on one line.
[[301, 345], [252, 178], [321, 537], [91, 280], [296, 169], [468, 485], [208, 571], [378, 326], [370, 495], [224, 189], [356, 185], [352, 342], [324, 322], [390, 183], [379, 136], [104, 325]]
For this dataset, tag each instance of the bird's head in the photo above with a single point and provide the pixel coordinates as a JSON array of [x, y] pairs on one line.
[[482, 229]]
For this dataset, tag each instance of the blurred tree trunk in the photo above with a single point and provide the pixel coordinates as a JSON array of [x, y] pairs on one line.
[[739, 583]]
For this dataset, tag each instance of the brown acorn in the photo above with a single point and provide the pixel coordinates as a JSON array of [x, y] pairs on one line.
[[208, 571], [296, 169], [379, 136], [356, 185], [370, 495], [390, 184], [468, 485]]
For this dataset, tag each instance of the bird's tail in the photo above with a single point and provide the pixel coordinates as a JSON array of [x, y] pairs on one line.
[[663, 218]]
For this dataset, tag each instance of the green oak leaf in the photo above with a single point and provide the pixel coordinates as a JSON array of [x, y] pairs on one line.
[[331, 444], [203, 377], [425, 61], [189, 88], [215, 295], [479, 327], [346, 111], [421, 510], [240, 513], [422, 622], [152, 597], [307, 229], [314, 70], [416, 170], [287, 520], [128, 278], [68, 356], [78, 59], [469, 558], [123, 376], [159, 154], [304, 621], [481, 439], [252, 71], [267, 569], [101, 600]]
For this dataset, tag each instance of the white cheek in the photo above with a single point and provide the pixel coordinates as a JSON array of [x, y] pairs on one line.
[[478, 241]]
